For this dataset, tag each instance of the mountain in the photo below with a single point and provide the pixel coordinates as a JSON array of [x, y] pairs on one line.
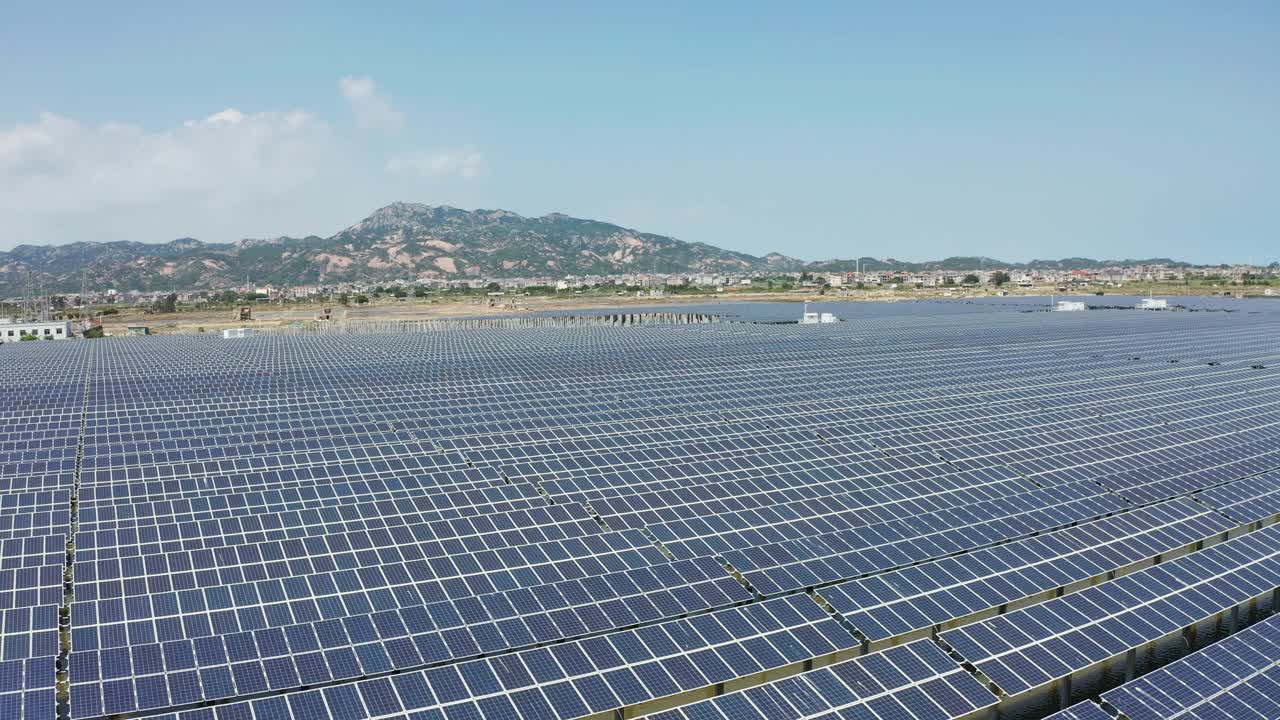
[[868, 264], [411, 241], [399, 241]]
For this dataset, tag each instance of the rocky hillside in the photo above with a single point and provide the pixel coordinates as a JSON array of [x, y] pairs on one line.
[[399, 241], [406, 241]]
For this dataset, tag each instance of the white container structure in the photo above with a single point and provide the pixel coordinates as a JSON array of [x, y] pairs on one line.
[[813, 318]]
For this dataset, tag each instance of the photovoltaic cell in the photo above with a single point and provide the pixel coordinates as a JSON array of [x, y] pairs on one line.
[[551, 522]]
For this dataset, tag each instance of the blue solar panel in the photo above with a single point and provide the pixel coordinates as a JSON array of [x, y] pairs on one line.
[[1235, 677], [1087, 710], [912, 682], [562, 521], [1031, 647]]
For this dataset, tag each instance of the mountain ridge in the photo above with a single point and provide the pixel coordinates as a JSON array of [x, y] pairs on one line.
[[421, 242]]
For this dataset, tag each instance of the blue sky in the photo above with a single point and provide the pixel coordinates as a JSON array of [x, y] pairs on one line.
[[910, 130]]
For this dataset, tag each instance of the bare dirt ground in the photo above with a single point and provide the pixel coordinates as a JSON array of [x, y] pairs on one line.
[[281, 315], [273, 314]]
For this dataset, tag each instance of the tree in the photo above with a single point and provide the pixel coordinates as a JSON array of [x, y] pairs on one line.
[[493, 287], [970, 279], [419, 291], [166, 304], [344, 299], [362, 299], [999, 278], [948, 281]]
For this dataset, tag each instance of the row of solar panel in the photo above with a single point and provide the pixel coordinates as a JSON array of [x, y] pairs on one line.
[[806, 514], [884, 606], [1030, 647], [575, 678]]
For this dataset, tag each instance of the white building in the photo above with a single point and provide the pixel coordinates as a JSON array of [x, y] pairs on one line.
[[1070, 306], [13, 330], [1153, 304]]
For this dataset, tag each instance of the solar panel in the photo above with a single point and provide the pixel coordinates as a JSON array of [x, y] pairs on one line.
[[1238, 676], [912, 682], [1087, 710], [888, 605], [562, 521], [1031, 647]]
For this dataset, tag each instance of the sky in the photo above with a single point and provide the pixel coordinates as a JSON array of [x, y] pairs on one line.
[[910, 130]]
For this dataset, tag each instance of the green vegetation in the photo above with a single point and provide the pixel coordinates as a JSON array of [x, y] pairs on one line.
[[166, 304]]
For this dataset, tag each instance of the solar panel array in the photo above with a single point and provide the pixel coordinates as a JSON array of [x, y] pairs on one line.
[[915, 680], [697, 521], [1238, 677], [1039, 644]]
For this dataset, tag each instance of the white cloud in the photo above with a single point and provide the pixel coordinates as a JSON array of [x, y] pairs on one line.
[[59, 165], [465, 161], [229, 175], [373, 112]]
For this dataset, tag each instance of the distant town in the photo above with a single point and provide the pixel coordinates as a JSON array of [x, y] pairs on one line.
[[1227, 279], [36, 315]]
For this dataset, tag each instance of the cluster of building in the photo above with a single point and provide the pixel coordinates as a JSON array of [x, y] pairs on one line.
[[55, 307], [884, 278]]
